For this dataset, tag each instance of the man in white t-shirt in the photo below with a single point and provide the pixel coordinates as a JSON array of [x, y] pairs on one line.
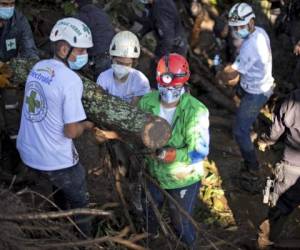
[[254, 67], [122, 79], [53, 115]]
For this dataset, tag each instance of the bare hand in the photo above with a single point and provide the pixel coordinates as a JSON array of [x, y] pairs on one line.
[[104, 135], [297, 49]]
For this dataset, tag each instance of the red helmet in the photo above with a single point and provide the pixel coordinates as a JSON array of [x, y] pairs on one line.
[[172, 70]]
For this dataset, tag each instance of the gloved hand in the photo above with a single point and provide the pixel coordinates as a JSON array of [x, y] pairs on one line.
[[6, 70], [4, 82], [5, 73], [166, 155], [262, 145]]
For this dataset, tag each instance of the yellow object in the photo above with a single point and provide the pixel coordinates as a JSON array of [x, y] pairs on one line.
[[4, 82]]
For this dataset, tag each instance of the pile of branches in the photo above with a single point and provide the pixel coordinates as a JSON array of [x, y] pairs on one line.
[[25, 227]]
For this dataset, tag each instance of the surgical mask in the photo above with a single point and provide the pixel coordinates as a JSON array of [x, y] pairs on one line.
[[6, 12], [171, 94], [144, 1], [243, 33], [80, 61], [120, 71]]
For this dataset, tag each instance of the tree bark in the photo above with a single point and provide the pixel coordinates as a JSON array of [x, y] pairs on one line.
[[133, 125]]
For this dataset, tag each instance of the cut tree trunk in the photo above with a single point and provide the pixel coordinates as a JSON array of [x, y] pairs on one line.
[[133, 125]]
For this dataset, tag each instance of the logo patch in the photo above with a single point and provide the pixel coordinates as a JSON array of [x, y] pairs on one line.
[[11, 44], [35, 102]]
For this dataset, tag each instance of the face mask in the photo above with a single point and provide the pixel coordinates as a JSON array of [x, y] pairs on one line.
[[243, 33], [80, 61], [144, 1], [120, 71], [6, 12], [170, 95]]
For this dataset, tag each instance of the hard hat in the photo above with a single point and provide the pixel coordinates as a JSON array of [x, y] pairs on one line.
[[240, 14], [125, 44], [172, 70], [73, 31]]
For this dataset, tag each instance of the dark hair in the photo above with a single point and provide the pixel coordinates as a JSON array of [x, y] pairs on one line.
[[220, 24]]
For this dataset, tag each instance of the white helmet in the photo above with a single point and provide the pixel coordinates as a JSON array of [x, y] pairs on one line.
[[73, 31], [240, 14], [125, 44]]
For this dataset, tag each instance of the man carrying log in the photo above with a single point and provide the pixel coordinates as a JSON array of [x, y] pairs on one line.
[[53, 115], [254, 66], [16, 40], [164, 19], [122, 79], [285, 196], [178, 166]]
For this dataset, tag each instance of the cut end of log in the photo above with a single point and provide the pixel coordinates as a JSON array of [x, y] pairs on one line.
[[156, 133]]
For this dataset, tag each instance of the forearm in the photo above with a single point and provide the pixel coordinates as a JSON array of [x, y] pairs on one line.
[[74, 130]]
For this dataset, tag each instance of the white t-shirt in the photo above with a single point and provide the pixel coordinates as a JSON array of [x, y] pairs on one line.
[[167, 113], [136, 84], [254, 62], [52, 98]]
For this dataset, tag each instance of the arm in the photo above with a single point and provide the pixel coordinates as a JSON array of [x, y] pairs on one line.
[[229, 76], [278, 126], [197, 136], [74, 130], [27, 45]]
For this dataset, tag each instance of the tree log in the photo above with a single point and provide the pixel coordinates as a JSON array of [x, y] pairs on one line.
[[133, 125]]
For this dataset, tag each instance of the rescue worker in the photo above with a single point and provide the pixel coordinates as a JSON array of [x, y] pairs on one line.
[[122, 79], [286, 121], [164, 19], [178, 167], [100, 25], [16, 40], [254, 66], [53, 115]]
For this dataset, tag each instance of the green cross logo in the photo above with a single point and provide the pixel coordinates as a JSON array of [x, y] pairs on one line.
[[32, 102]]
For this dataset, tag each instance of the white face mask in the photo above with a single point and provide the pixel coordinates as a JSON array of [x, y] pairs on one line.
[[170, 95], [120, 71]]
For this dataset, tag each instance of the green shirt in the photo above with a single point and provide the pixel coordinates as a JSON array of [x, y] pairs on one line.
[[190, 137]]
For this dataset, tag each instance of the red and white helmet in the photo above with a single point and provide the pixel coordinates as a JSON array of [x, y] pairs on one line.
[[240, 14], [172, 70]]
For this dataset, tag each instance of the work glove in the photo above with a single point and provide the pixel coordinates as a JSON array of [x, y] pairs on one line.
[[166, 155], [5, 73]]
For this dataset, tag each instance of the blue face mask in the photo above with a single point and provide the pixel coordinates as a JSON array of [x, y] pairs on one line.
[[170, 95], [243, 33], [80, 61], [6, 12]]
